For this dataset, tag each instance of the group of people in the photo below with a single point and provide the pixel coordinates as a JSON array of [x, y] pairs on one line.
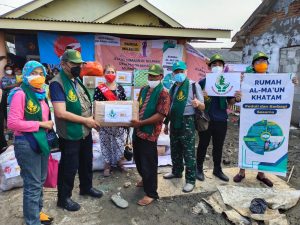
[[29, 118]]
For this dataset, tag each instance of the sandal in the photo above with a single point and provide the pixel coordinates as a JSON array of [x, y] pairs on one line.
[[121, 166], [45, 219], [238, 178], [139, 184], [145, 201], [265, 180], [106, 172]]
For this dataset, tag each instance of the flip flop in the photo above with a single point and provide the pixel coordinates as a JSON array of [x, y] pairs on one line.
[[119, 201], [139, 184], [145, 201]]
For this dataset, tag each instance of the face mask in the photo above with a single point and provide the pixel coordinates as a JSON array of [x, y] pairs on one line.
[[217, 69], [261, 67], [110, 78], [75, 71], [8, 72], [36, 81], [153, 83], [179, 77]]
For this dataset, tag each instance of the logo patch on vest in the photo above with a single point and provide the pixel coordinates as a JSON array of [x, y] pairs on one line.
[[180, 96], [31, 108], [72, 97]]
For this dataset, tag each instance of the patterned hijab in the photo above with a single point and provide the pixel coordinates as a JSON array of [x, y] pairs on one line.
[[28, 68]]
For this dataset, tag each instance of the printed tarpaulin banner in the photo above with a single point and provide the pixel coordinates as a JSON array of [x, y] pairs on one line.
[[172, 53], [196, 63], [53, 45], [128, 54], [265, 122]]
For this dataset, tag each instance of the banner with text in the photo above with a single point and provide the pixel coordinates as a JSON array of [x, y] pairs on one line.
[[222, 84], [196, 63], [128, 54], [265, 122]]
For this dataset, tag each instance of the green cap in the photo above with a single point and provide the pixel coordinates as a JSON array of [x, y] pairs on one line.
[[259, 55], [155, 69], [216, 57], [72, 55], [180, 65]]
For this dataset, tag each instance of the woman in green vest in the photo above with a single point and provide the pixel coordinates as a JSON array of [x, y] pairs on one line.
[[29, 119]]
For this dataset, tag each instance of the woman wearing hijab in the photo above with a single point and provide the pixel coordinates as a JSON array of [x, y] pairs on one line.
[[29, 119]]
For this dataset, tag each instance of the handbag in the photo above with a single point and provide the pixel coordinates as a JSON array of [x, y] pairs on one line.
[[128, 151], [51, 135], [201, 117], [52, 140], [52, 173]]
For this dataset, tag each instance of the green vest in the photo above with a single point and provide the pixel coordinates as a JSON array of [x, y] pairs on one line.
[[78, 101]]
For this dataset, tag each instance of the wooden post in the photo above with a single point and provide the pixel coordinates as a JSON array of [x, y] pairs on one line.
[[3, 59]]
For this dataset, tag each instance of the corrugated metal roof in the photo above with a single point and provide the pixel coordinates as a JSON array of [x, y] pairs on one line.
[[71, 21], [229, 56]]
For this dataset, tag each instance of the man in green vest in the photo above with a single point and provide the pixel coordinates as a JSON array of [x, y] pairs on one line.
[[73, 118], [182, 125], [154, 102], [216, 107]]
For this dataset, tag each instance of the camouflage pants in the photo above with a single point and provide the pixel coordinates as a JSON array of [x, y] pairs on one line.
[[183, 148]]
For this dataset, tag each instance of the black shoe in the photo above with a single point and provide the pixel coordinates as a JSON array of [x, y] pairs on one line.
[[200, 175], [220, 175], [68, 204], [93, 193]]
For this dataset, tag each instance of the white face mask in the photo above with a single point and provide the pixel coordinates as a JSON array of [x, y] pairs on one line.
[[217, 69], [153, 83], [32, 77], [9, 72]]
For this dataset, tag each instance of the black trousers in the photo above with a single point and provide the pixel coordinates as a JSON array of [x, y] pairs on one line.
[[145, 156], [75, 156], [3, 116], [217, 131]]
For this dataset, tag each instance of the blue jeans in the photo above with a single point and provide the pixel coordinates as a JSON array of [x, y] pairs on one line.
[[34, 172]]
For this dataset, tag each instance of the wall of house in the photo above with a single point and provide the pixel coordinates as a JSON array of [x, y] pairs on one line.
[[137, 16], [280, 28], [78, 10], [290, 62], [278, 35]]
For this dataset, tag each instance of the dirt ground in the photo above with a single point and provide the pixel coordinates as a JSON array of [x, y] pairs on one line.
[[166, 211]]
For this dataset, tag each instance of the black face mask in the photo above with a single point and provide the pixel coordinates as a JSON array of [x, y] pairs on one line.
[[75, 71]]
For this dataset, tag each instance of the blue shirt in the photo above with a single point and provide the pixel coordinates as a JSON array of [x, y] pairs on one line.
[[56, 92]]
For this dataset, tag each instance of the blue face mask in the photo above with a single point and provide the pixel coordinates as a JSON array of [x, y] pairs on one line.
[[179, 77]]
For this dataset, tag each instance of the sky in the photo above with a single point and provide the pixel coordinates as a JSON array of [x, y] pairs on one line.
[[222, 14]]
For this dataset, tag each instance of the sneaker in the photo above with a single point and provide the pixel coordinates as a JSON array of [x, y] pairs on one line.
[[171, 176], [68, 204], [265, 180], [188, 187], [238, 178], [119, 201]]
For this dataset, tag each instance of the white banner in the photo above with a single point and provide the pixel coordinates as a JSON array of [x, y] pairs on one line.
[[222, 84], [265, 122], [171, 56]]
